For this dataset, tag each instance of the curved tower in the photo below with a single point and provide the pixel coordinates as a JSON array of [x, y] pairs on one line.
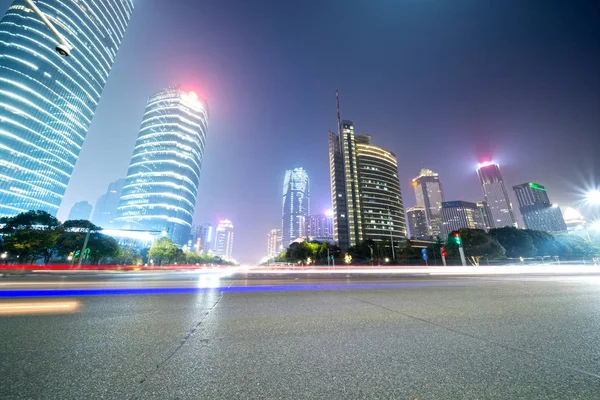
[[380, 195], [296, 205], [162, 181], [47, 101]]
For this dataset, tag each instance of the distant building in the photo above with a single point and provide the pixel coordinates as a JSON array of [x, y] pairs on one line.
[[47, 102], [429, 195], [80, 210], [202, 238], [105, 210], [319, 226], [461, 214], [381, 203], [492, 186], [224, 239], [417, 222], [162, 180], [274, 247], [538, 212], [486, 214], [296, 205]]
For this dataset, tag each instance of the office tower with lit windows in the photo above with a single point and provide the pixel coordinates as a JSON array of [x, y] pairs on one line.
[[162, 180], [274, 247], [381, 207], [345, 197], [296, 205], [47, 101], [496, 197], [224, 239], [80, 210], [105, 210], [417, 222], [485, 214], [429, 195], [319, 226], [461, 214], [538, 212]]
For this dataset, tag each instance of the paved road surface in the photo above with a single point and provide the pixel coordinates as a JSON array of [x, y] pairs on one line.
[[294, 336]]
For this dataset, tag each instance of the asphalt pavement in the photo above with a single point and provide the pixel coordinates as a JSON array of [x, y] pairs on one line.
[[298, 336]]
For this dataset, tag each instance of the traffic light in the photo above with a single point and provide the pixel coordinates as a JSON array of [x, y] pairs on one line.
[[457, 239], [443, 251]]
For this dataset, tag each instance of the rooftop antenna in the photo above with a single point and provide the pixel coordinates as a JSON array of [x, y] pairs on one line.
[[337, 103]]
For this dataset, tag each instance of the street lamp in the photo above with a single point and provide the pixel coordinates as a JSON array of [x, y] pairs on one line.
[[4, 255], [64, 49]]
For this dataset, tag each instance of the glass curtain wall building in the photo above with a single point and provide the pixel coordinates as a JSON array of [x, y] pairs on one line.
[[496, 197], [162, 181], [224, 240], [430, 196], [296, 205], [47, 101]]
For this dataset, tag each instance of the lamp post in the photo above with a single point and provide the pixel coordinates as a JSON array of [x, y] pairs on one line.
[[64, 49], [392, 233]]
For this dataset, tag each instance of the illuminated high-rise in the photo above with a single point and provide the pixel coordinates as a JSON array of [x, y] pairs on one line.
[[345, 197], [224, 239], [496, 197], [429, 195], [417, 222], [461, 214], [296, 205], [47, 101], [274, 247], [537, 211], [319, 227], [162, 181], [381, 206]]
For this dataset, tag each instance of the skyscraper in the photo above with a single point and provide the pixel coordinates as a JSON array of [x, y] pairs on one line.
[[319, 226], [274, 247], [417, 222], [345, 197], [495, 194], [486, 214], [381, 206], [537, 211], [105, 210], [461, 214], [80, 210], [162, 180], [296, 205], [429, 195], [47, 101], [224, 239]]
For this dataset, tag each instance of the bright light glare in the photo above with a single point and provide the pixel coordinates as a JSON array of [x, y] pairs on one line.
[[329, 213], [486, 164], [593, 196]]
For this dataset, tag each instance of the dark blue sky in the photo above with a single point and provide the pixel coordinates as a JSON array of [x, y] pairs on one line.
[[441, 83]]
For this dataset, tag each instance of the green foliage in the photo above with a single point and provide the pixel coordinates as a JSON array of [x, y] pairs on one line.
[[103, 248], [164, 251], [31, 235], [516, 242], [478, 244], [130, 257], [574, 246]]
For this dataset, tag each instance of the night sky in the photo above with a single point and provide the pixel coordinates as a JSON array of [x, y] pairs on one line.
[[441, 83]]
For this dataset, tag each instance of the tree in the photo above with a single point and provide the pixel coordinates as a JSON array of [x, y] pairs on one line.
[[31, 235], [164, 251], [516, 242], [73, 236], [576, 246], [102, 247], [130, 257], [545, 243], [477, 244]]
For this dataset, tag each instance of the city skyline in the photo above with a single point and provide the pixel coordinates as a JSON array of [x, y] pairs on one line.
[[475, 125]]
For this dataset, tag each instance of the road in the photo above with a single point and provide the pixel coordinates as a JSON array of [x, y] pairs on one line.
[[259, 336]]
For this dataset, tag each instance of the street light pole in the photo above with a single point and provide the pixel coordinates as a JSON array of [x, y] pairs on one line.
[[85, 242], [64, 49], [392, 234]]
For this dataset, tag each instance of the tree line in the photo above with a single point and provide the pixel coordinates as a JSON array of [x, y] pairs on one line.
[[37, 236], [499, 244]]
